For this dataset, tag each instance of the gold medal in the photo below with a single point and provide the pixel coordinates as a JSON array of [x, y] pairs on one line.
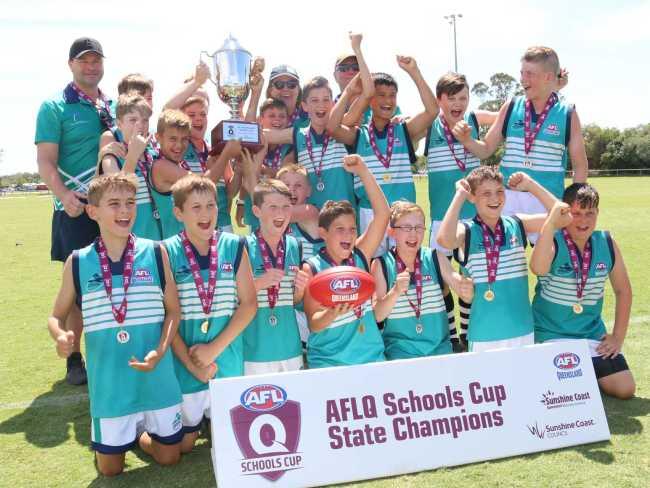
[[123, 336], [577, 308], [419, 328], [362, 328], [205, 326], [387, 177], [488, 295], [273, 320]]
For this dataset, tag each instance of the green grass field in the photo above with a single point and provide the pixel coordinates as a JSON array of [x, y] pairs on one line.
[[44, 423]]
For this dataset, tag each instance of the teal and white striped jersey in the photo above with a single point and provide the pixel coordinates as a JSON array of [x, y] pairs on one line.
[[264, 342], [555, 293], [347, 340], [444, 171], [509, 315], [169, 224], [310, 246], [338, 182], [401, 337], [549, 154], [116, 389], [396, 181], [191, 157], [229, 253]]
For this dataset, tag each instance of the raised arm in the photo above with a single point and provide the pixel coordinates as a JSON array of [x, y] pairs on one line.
[[383, 299], [544, 250], [257, 85], [343, 133], [522, 182], [201, 75], [418, 125], [451, 233], [482, 149]]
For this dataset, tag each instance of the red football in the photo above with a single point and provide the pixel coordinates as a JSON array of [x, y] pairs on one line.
[[341, 284]]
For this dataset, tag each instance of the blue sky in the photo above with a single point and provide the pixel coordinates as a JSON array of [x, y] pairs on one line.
[[605, 46]]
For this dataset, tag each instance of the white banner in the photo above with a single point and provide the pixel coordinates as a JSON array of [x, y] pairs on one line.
[[334, 425]]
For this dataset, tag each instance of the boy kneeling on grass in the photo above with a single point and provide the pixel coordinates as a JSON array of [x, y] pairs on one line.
[[129, 304]]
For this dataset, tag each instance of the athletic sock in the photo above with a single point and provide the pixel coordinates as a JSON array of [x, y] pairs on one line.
[[449, 305], [464, 318]]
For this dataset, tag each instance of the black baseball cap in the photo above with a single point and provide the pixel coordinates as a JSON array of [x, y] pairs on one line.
[[85, 45]]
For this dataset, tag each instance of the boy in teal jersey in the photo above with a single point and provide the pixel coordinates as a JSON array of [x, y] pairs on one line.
[[315, 150], [573, 261], [216, 304], [409, 289], [132, 117], [345, 335], [387, 148], [131, 381], [273, 116], [173, 135], [491, 250], [272, 340], [541, 133]]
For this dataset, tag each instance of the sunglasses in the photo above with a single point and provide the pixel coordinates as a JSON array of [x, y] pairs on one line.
[[280, 85], [343, 68]]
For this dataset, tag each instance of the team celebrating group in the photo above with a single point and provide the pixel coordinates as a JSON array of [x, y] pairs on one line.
[[168, 297]]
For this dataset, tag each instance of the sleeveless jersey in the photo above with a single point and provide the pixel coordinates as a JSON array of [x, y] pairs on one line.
[[400, 336], [509, 315], [116, 389], [169, 224], [338, 182], [549, 153], [555, 293], [310, 246], [396, 181], [264, 342], [444, 171], [342, 342]]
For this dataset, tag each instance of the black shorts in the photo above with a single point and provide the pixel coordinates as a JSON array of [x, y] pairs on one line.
[[605, 367], [70, 233]]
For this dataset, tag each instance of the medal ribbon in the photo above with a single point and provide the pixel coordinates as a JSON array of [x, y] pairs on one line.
[[97, 104], [273, 162], [272, 292], [206, 295], [310, 150], [346, 262], [118, 312], [294, 117], [390, 143], [450, 143], [417, 276], [582, 272], [492, 251], [529, 136]]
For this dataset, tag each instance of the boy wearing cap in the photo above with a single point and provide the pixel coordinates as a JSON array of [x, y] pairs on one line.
[[68, 128]]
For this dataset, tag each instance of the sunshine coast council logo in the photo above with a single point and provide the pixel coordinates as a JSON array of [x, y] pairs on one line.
[[266, 425]]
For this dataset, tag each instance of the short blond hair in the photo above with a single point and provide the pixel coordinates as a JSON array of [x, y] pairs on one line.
[[482, 174], [112, 182], [296, 168], [400, 208], [132, 102], [543, 55], [190, 183], [268, 187], [195, 99], [171, 118]]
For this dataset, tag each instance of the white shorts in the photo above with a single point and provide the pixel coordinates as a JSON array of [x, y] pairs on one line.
[[365, 217], [195, 406], [524, 340], [115, 435], [521, 202], [433, 243], [253, 368], [303, 327]]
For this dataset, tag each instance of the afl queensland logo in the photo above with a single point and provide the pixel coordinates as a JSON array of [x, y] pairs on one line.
[[567, 364], [266, 426], [345, 286]]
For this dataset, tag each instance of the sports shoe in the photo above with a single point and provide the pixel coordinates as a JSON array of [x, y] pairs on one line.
[[76, 370]]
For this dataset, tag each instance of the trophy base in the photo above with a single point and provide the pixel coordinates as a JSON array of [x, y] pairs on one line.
[[248, 133]]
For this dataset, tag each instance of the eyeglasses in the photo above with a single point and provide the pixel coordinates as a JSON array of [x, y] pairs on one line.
[[343, 68], [410, 228], [280, 85]]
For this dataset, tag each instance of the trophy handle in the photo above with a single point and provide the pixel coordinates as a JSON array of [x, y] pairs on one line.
[[205, 53]]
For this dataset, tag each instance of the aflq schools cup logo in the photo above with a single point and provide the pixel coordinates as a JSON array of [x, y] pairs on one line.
[[567, 364], [267, 429]]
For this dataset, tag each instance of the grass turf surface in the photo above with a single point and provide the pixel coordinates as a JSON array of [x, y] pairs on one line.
[[45, 427]]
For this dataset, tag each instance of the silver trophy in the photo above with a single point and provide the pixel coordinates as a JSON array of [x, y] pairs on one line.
[[232, 66]]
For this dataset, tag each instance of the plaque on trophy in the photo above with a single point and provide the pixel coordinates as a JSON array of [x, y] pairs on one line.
[[232, 66]]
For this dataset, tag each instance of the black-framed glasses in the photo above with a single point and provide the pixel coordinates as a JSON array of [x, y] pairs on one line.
[[280, 85], [410, 228], [343, 68]]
